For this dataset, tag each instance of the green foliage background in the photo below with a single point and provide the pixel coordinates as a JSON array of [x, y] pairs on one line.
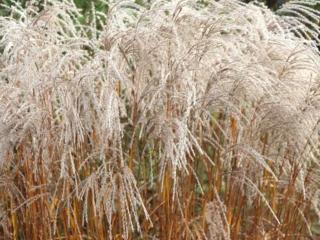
[[102, 6]]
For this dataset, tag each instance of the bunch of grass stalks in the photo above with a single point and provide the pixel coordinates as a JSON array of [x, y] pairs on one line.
[[182, 120]]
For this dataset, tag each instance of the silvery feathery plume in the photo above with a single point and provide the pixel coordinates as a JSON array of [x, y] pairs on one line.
[[72, 96]]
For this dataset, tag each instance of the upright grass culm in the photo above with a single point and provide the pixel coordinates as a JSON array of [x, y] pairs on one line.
[[179, 120]]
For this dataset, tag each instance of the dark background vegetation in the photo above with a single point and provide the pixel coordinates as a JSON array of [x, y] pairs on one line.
[[86, 5]]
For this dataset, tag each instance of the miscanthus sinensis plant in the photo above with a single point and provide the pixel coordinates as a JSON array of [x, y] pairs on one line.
[[180, 120]]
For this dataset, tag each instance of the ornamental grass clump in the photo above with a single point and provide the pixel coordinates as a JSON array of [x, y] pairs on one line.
[[179, 120]]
